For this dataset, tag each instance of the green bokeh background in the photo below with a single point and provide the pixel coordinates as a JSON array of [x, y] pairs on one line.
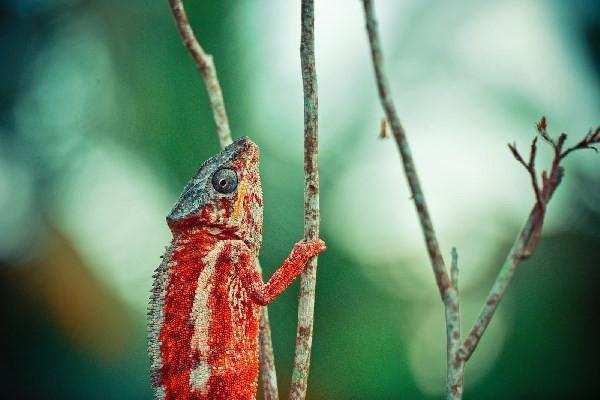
[[103, 118]]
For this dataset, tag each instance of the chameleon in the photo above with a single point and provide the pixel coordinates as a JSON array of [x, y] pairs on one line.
[[203, 316]]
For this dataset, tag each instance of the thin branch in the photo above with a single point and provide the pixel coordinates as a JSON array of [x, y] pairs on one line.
[[385, 96], [455, 366], [447, 286], [208, 72], [529, 166], [517, 253], [306, 300], [588, 142], [207, 69], [523, 247], [529, 236]]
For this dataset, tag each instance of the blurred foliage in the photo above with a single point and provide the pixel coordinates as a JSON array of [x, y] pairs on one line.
[[103, 118]]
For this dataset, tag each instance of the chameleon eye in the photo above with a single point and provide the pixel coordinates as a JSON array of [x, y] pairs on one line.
[[225, 180]]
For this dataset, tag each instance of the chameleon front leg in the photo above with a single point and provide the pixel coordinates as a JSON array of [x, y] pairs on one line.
[[263, 293]]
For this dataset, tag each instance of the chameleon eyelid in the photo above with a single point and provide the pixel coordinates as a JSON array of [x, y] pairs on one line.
[[225, 181]]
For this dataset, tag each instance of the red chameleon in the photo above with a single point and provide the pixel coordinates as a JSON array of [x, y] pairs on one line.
[[204, 308]]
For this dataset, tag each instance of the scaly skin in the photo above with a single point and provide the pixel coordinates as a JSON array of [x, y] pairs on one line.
[[204, 309]]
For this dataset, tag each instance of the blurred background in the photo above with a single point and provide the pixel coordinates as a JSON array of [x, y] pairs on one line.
[[103, 119]]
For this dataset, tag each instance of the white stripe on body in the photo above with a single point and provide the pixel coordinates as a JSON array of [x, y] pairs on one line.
[[201, 318]]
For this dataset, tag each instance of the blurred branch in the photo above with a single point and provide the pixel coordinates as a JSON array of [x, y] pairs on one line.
[[455, 368], [306, 300], [208, 72], [385, 96], [207, 69], [529, 236], [448, 288], [458, 354]]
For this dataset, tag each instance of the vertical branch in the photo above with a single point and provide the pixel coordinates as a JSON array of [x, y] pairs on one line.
[[448, 288], [455, 366], [454, 269], [306, 301], [385, 96], [207, 69]]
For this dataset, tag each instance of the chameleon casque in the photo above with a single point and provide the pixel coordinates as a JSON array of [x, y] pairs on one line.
[[203, 315]]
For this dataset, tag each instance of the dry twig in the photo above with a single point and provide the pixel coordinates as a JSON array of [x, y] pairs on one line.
[[208, 72], [529, 236], [453, 333], [448, 291], [387, 102], [459, 353], [306, 300], [207, 69]]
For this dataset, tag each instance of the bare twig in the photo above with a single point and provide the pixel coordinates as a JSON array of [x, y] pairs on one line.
[[448, 288], [588, 142], [207, 69], [528, 237], [525, 244], [387, 102], [306, 300], [455, 366], [208, 72], [529, 166]]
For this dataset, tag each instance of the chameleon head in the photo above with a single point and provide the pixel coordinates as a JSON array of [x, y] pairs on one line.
[[224, 196]]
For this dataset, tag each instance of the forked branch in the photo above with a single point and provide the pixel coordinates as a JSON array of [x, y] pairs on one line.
[[529, 236], [523, 247], [525, 244]]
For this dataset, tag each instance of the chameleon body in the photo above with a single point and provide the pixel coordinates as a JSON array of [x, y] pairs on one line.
[[204, 309]]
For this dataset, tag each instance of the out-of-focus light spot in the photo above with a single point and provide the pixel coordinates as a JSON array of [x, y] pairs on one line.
[[427, 348], [29, 7], [524, 47], [342, 66], [113, 209], [108, 203], [18, 225], [371, 213], [71, 96]]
